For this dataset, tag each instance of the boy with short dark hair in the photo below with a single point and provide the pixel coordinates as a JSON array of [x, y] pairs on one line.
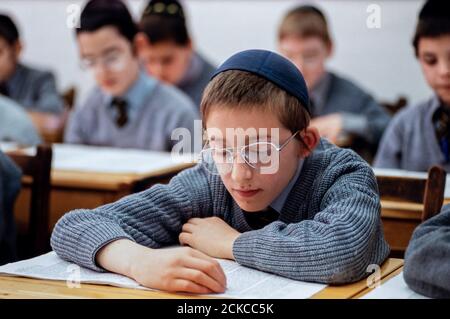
[[267, 193], [33, 89], [128, 108], [340, 108], [419, 136], [166, 49]]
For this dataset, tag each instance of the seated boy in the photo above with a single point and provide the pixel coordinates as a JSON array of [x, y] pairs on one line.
[[419, 136], [15, 124], [427, 259], [268, 194], [340, 108], [166, 49], [10, 181], [128, 108], [33, 89]]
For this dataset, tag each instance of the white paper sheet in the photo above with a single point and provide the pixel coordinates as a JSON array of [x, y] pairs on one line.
[[112, 160], [242, 282], [403, 173], [394, 288]]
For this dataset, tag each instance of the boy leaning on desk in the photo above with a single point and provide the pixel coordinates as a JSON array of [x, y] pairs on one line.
[[268, 193]]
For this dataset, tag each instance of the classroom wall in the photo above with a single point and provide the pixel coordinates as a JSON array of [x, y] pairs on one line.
[[380, 59]]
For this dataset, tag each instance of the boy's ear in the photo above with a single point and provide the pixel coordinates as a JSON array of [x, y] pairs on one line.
[[141, 41], [330, 49], [17, 49], [311, 138]]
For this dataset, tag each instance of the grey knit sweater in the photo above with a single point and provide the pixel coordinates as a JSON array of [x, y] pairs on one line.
[[427, 259], [329, 229]]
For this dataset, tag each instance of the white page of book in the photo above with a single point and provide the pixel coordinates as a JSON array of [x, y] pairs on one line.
[[394, 288], [113, 160], [242, 282]]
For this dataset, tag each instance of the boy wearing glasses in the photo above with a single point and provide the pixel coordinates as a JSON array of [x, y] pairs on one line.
[[128, 108], [268, 193], [340, 109]]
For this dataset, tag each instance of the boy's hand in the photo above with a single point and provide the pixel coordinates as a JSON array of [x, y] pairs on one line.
[[210, 235], [173, 269], [329, 126], [179, 270]]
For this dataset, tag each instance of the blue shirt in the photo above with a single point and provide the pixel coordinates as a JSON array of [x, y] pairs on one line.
[[278, 202]]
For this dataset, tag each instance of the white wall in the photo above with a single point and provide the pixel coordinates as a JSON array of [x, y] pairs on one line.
[[381, 60]]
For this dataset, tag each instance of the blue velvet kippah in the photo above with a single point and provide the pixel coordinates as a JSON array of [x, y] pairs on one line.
[[272, 67]]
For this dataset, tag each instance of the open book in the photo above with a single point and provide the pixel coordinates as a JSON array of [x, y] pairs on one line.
[[242, 282], [394, 288]]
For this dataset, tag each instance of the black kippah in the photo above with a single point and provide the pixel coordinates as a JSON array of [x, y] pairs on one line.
[[435, 9]]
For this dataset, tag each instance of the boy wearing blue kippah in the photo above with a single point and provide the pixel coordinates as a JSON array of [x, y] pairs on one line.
[[268, 193]]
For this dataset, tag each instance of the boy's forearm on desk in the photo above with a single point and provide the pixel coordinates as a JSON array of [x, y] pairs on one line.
[[119, 256]]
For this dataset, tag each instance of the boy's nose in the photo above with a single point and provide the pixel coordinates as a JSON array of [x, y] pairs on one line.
[[444, 68], [240, 172]]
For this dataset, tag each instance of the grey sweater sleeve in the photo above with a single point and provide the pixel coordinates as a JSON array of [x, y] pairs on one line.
[[427, 259], [152, 218], [389, 153], [335, 246], [48, 99]]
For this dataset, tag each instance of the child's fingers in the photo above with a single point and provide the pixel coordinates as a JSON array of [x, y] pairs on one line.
[[183, 285], [209, 266], [187, 228], [194, 221], [185, 238], [201, 279]]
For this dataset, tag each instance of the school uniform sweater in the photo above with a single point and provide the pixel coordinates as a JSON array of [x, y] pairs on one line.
[[362, 115], [410, 141], [328, 231], [154, 111], [427, 259], [34, 89], [196, 78]]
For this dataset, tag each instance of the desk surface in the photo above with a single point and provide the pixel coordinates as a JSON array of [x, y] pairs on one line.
[[105, 168], [16, 287], [108, 181]]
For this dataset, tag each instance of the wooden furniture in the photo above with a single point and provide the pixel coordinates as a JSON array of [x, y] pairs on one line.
[[51, 126], [72, 188], [396, 106], [408, 201], [16, 287], [36, 171], [383, 280]]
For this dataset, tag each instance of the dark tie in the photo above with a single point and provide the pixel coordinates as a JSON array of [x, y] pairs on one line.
[[121, 107], [441, 120], [258, 220], [4, 89]]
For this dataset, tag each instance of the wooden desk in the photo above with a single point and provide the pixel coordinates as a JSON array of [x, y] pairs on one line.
[[15, 287], [73, 189], [356, 289], [399, 221], [390, 276]]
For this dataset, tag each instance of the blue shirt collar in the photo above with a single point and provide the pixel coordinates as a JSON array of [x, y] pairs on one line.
[[137, 94], [279, 202]]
